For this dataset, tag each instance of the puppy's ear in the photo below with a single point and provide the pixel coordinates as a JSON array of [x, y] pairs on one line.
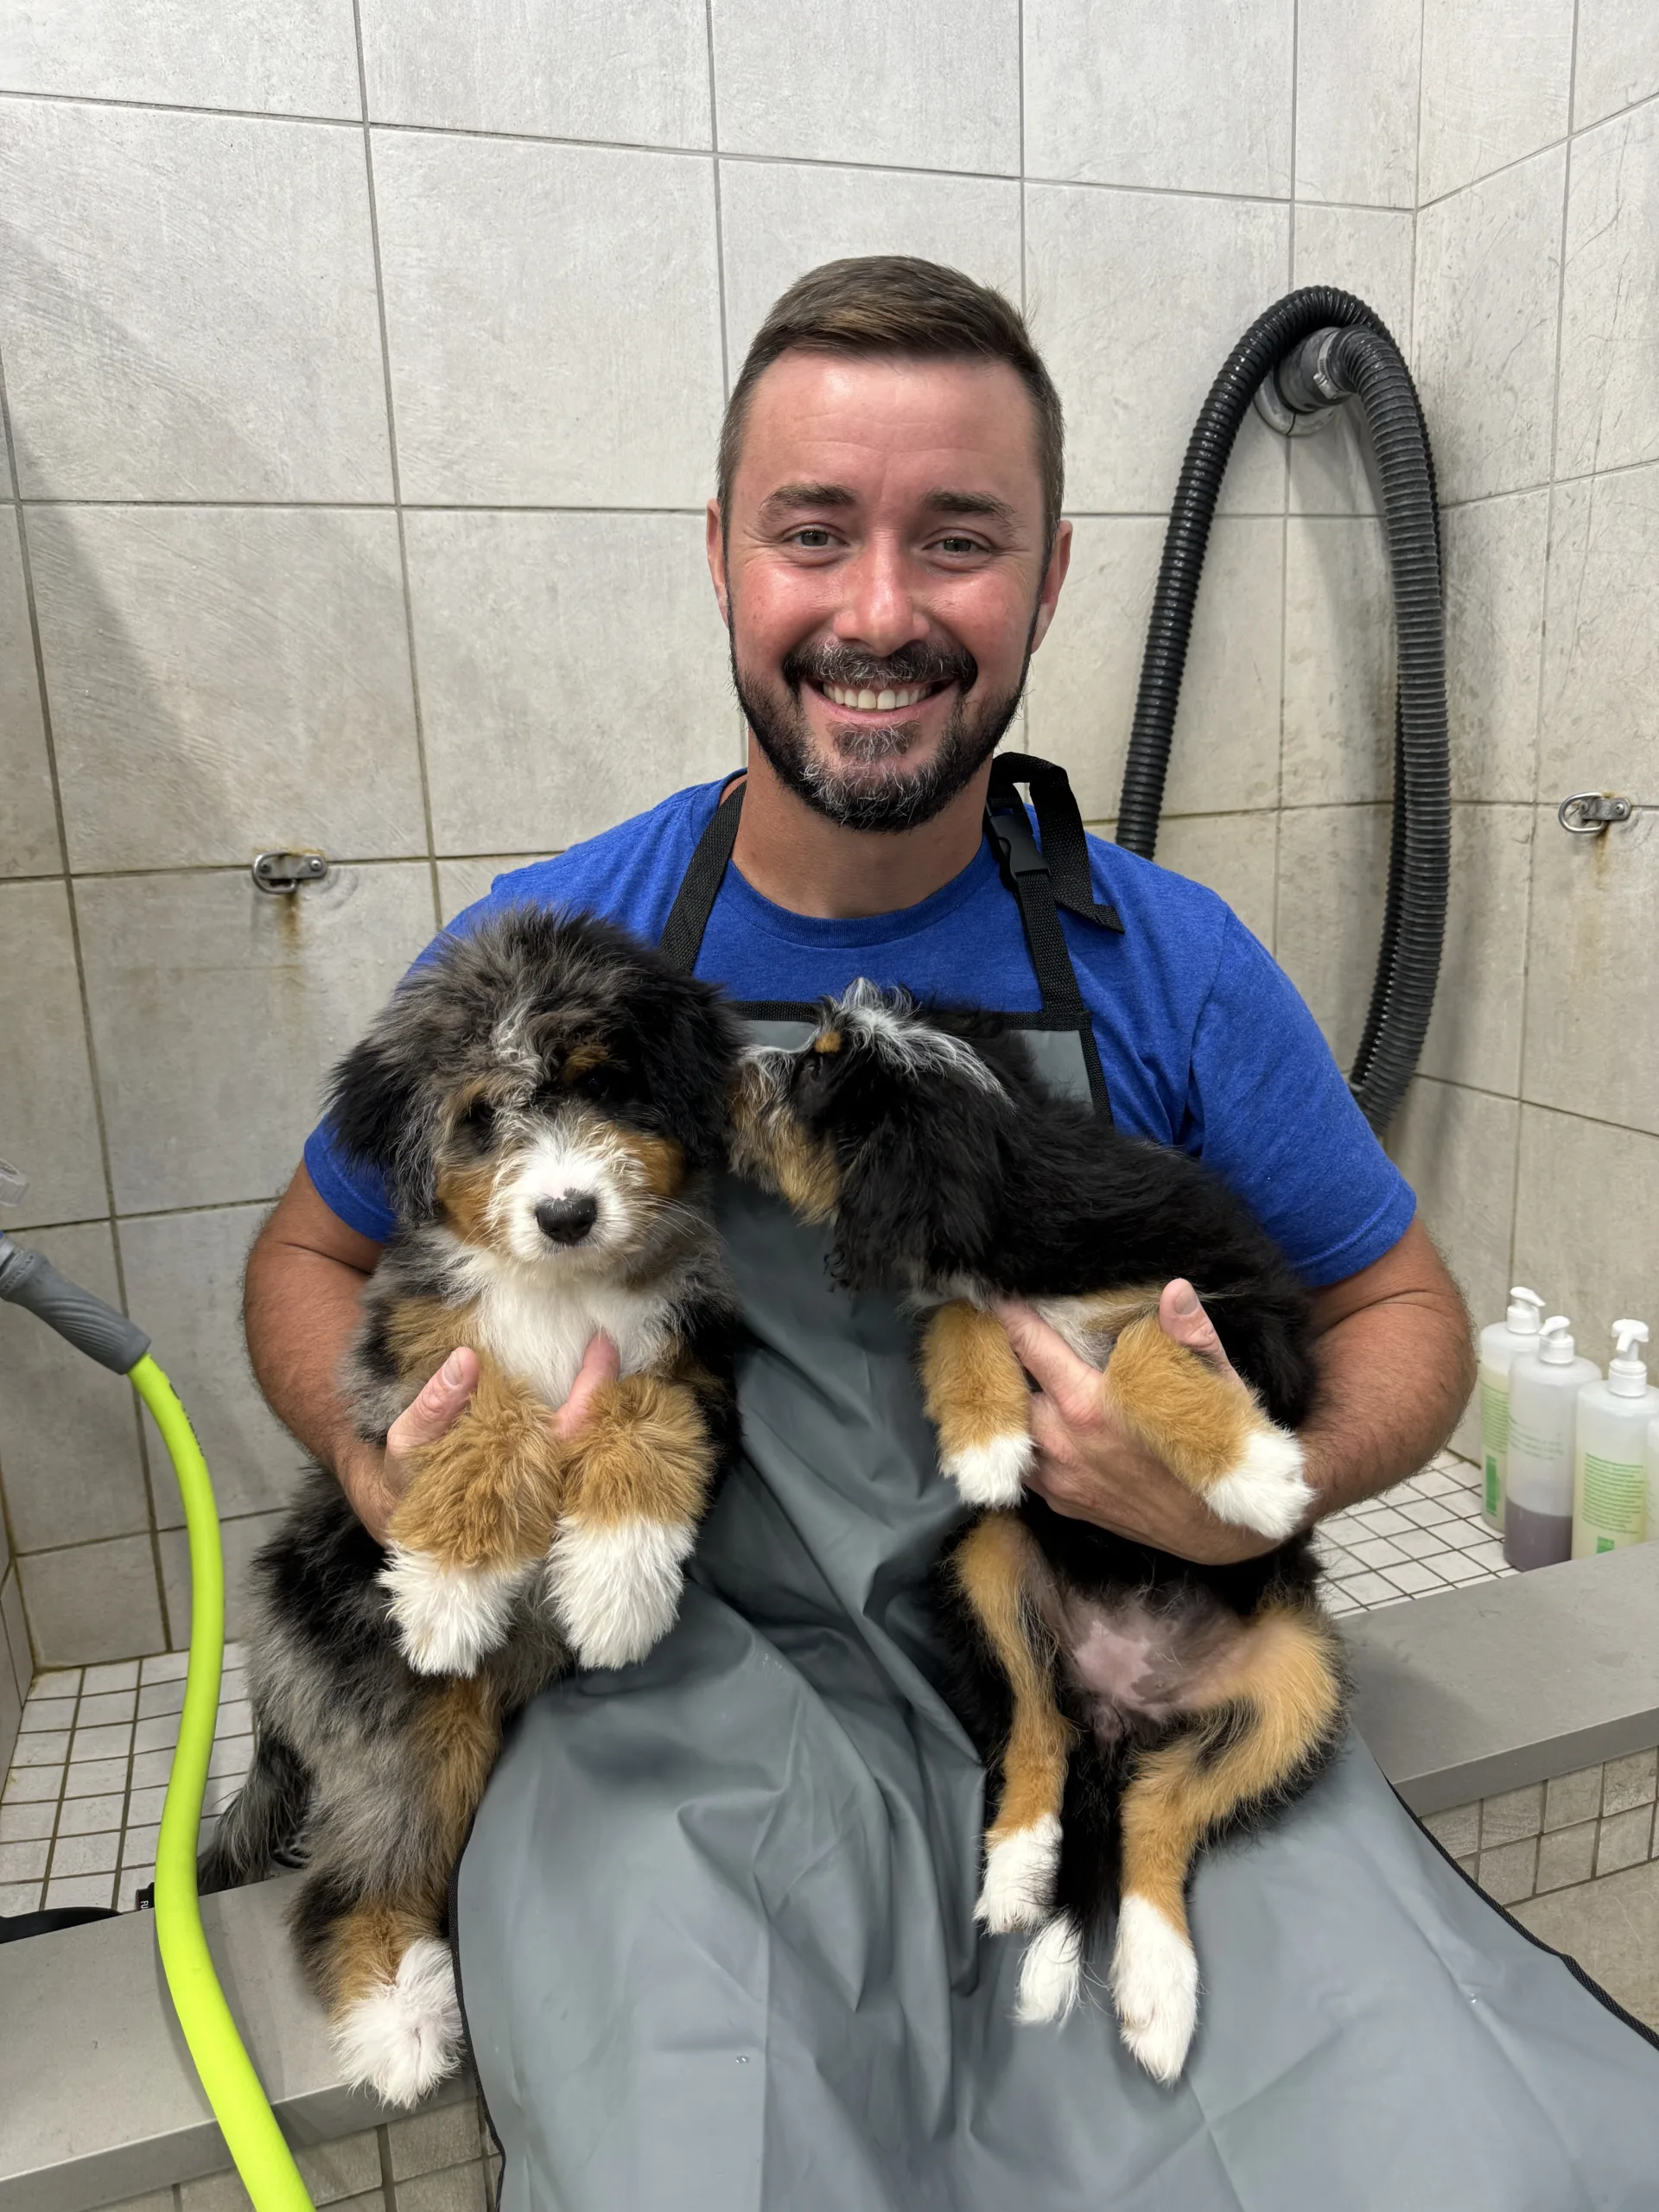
[[690, 1043], [919, 1192], [380, 1103]]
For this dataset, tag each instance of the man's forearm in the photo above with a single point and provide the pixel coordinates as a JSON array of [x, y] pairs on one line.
[[1394, 1377], [301, 1308]]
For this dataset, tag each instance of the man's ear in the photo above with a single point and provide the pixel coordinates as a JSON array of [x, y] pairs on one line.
[[1059, 561], [715, 543]]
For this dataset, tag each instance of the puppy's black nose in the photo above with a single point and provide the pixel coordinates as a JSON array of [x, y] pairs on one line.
[[567, 1220]]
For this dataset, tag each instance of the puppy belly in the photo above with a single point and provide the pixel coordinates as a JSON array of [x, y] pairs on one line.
[[1138, 1666]]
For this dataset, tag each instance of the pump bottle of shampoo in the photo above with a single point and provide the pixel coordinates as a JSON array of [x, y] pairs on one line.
[[1653, 1481], [1502, 1343], [1609, 1476], [1544, 1389]]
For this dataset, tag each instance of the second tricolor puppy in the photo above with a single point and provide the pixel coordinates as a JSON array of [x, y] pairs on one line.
[[1131, 1704]]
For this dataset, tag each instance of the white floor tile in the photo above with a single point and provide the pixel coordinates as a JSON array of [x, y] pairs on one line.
[[27, 1785], [161, 1697], [57, 1681], [81, 1889], [49, 1747], [1412, 1577], [86, 1816], [158, 1734], [133, 1879], [93, 1776], [150, 1767], [138, 1847], [118, 1675], [112, 1742], [23, 1862], [1368, 1589], [106, 1705], [26, 1823], [41, 1713], [167, 1667], [20, 1897], [144, 1805], [86, 1854]]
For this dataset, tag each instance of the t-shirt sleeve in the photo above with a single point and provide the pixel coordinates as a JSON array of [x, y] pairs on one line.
[[1270, 1111]]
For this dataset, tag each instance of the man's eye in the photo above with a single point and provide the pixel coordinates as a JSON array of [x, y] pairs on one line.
[[958, 545], [811, 538]]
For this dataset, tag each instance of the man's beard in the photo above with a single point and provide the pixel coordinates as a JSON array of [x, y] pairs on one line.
[[866, 786]]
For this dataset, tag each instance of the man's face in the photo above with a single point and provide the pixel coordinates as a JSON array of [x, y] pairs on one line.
[[881, 577]]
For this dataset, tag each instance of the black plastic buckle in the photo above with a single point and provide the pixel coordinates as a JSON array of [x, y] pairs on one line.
[[1017, 849]]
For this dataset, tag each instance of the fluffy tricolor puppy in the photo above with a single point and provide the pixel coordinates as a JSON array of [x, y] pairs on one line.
[[547, 1102], [1131, 1704]]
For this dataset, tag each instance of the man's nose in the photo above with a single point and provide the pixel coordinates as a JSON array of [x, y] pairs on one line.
[[878, 610]]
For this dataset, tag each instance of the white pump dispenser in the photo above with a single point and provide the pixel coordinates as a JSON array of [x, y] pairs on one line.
[[1610, 1489], [1544, 1389], [1501, 1343]]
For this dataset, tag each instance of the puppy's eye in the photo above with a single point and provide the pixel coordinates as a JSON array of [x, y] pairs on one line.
[[476, 1126], [607, 1084]]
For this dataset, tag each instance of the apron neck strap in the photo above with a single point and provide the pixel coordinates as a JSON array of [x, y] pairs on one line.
[[1064, 859], [681, 938]]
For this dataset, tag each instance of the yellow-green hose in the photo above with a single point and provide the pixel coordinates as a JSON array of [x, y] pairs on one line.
[[240, 2106]]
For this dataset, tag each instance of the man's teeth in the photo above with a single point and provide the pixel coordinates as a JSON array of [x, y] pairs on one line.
[[842, 695]]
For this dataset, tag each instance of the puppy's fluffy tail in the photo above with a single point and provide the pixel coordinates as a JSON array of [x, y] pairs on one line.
[[264, 1824]]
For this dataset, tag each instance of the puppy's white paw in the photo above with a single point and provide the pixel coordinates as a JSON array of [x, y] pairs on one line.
[[1155, 1988], [1050, 1975], [404, 2036], [1020, 1878], [614, 1585], [448, 1618], [1266, 1490], [992, 1473]]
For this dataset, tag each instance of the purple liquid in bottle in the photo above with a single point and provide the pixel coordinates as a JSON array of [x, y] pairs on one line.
[[1536, 1539]]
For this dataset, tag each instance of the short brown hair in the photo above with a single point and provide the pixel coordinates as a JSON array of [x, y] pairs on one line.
[[892, 303]]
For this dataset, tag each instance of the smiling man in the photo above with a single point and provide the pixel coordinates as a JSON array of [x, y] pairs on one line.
[[715, 1923]]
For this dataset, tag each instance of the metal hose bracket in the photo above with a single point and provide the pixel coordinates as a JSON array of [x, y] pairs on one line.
[[1320, 346]]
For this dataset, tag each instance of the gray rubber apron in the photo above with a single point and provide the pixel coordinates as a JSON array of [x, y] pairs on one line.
[[716, 1919]]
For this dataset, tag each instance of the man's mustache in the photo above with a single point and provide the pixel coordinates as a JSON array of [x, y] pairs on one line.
[[919, 663]]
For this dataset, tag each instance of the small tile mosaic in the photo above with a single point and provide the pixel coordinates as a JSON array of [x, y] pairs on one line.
[[1555, 1834], [442, 2161], [1425, 1535], [82, 1805]]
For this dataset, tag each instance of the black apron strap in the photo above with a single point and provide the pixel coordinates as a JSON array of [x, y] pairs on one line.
[[681, 938], [1044, 878]]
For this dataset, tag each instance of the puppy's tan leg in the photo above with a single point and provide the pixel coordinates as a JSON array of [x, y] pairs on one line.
[[977, 1398], [380, 1963], [1208, 1430], [468, 1536], [993, 1567], [1271, 1713], [638, 1477]]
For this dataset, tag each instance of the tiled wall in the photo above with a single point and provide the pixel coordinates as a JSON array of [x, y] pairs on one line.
[[362, 368]]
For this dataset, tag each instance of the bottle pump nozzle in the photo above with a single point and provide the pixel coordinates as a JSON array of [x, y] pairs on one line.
[[1557, 1348], [1526, 1310], [1627, 1378]]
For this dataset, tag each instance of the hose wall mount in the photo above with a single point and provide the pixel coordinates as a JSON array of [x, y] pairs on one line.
[[1344, 349]]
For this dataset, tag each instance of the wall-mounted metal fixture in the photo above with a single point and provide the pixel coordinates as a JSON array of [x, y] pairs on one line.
[[1586, 814], [281, 874]]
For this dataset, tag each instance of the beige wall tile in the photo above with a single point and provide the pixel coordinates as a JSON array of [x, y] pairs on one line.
[[934, 85], [50, 1130], [1497, 75], [1225, 753], [184, 1280], [1618, 57], [1611, 1928], [1627, 1782], [16, 1653], [1495, 567], [1595, 915], [218, 1011], [94, 1602], [1458, 1830], [299, 58], [1596, 1258], [538, 730], [586, 69], [350, 2167], [1565, 1856], [68, 1438], [429, 2140], [1136, 299], [1367, 250], [1488, 263], [1624, 1840], [779, 219], [28, 821], [1356, 97], [458, 2189], [242, 1538], [1571, 1798], [1185, 96], [1511, 1816], [1235, 854], [1338, 740], [226, 679], [1610, 299], [217, 277], [1474, 1033], [1507, 1873], [1333, 864], [1601, 657], [528, 290]]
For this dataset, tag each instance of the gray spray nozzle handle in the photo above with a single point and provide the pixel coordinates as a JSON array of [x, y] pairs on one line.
[[30, 1279]]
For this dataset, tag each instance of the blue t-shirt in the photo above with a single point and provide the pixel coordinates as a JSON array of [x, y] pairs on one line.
[[1203, 1038]]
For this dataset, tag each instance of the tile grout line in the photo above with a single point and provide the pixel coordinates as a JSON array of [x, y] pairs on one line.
[[1019, 83], [396, 475], [94, 1080], [720, 234], [63, 1789], [1534, 845]]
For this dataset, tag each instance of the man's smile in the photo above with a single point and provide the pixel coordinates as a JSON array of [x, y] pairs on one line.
[[892, 699]]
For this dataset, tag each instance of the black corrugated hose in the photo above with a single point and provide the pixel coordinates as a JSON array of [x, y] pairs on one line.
[[1361, 359]]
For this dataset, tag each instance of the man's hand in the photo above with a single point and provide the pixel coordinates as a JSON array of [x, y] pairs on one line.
[[375, 1480], [1089, 1467]]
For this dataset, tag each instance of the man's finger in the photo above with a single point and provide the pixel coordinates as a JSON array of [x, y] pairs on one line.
[[1049, 1360], [1181, 1317], [600, 1364], [440, 1401]]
